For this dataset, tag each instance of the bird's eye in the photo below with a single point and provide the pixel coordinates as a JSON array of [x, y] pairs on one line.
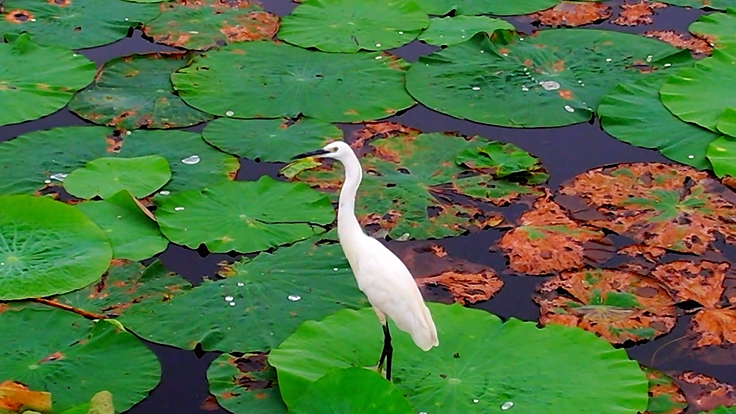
[[333, 149]]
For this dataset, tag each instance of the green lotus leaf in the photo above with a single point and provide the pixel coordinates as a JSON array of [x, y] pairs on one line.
[[727, 122], [722, 154], [701, 4], [697, 94], [352, 391], [73, 358], [269, 140], [502, 159], [132, 234], [205, 24], [281, 80], [720, 27], [41, 159], [348, 26], [552, 79], [135, 92], [47, 247], [633, 113], [721, 410], [474, 7], [257, 306], [125, 285], [448, 31], [101, 403], [244, 216], [409, 177], [245, 384], [481, 364], [40, 80], [73, 24], [105, 177]]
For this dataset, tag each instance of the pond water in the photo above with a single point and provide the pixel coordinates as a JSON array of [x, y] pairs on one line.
[[564, 152]]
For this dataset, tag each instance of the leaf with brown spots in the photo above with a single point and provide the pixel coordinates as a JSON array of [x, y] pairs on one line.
[[616, 305], [705, 393], [701, 282], [665, 397], [244, 384], [651, 254], [673, 207], [638, 13], [204, 24], [17, 398], [714, 327], [572, 14], [467, 282], [412, 187], [696, 44], [549, 241]]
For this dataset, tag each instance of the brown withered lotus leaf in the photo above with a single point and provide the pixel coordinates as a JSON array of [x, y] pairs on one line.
[[700, 282], [705, 393], [674, 207], [616, 305], [637, 13], [664, 393], [650, 253], [16, 397], [467, 282], [694, 43], [245, 383], [572, 14], [549, 241], [714, 327]]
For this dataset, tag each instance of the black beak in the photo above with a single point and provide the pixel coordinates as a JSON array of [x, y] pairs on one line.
[[310, 154]]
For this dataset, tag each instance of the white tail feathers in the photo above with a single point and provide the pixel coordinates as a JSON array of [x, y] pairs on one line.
[[423, 331]]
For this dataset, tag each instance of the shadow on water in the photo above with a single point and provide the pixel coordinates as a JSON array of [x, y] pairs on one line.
[[564, 152]]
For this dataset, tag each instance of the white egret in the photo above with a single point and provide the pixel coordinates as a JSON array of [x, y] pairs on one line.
[[381, 275]]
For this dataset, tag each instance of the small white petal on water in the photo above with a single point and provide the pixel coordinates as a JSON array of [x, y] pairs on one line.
[[229, 298], [164, 192], [691, 156], [294, 298], [241, 284], [508, 404], [178, 208], [58, 176], [569, 108], [550, 85], [476, 88], [194, 159], [229, 113]]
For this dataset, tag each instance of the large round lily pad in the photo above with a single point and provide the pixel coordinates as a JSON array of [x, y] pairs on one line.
[[481, 365], [718, 27], [105, 177], [697, 94], [245, 384], [348, 26], [447, 31], [633, 113], [702, 4], [409, 177], [47, 247], [39, 159], [244, 216], [269, 140], [132, 234], [473, 7], [617, 305], [722, 155], [352, 390], [135, 92], [259, 303], [554, 78], [73, 358], [73, 24], [204, 24], [40, 80], [281, 80]]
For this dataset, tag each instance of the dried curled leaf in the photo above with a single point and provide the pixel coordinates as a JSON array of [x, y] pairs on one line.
[[694, 43], [701, 282], [16, 397], [650, 253], [549, 241], [638, 13], [714, 327], [572, 14], [665, 397], [616, 305], [705, 393]]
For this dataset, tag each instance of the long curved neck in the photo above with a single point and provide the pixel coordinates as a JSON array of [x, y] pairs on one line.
[[347, 223]]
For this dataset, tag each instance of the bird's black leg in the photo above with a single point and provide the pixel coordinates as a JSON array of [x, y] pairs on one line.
[[387, 352]]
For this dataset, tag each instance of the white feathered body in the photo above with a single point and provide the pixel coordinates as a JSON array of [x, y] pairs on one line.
[[390, 287]]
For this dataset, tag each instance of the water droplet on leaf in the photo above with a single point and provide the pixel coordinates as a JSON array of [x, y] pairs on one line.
[[58, 176], [475, 401], [241, 284], [229, 113], [569, 108], [164, 192], [194, 159], [378, 45], [691, 156], [232, 304], [476, 88], [229, 298], [550, 85], [294, 298], [508, 404], [178, 208]]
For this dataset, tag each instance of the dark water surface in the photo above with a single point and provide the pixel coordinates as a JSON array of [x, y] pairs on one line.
[[564, 152]]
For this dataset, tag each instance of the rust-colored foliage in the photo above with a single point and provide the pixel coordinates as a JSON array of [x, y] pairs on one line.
[[673, 207], [705, 393], [253, 373], [714, 327], [254, 26], [209, 404], [617, 305], [549, 241], [662, 387], [695, 44], [572, 14], [467, 282], [18, 16], [637, 13], [652, 254], [16, 397]]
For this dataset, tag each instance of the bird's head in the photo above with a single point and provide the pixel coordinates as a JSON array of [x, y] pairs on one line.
[[338, 150]]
